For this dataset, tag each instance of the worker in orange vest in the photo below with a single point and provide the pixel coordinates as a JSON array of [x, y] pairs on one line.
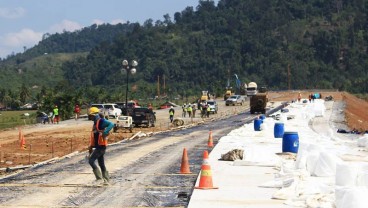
[[97, 147], [299, 97]]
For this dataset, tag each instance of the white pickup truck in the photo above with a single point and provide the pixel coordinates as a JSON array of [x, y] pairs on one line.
[[235, 100]]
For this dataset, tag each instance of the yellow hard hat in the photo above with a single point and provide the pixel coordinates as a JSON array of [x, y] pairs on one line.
[[94, 110]]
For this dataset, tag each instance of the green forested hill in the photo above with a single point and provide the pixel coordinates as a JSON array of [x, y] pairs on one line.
[[324, 44]]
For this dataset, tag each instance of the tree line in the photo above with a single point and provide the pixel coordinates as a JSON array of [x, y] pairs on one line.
[[280, 44]]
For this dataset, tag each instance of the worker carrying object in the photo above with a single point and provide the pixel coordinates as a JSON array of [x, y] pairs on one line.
[[98, 142]]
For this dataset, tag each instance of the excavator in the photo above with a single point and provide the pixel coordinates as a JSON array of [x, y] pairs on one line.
[[241, 88]]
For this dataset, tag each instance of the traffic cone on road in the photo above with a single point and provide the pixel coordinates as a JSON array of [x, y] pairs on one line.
[[184, 169], [205, 181], [22, 140], [210, 140]]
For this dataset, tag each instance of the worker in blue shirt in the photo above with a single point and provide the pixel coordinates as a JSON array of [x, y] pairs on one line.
[[97, 147]]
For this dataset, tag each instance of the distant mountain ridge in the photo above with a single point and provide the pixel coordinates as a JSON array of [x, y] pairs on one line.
[[276, 43]]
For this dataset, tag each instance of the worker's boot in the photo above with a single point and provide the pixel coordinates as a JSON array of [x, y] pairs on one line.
[[98, 174], [106, 177]]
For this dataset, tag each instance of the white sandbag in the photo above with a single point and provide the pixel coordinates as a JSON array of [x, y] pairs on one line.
[[278, 183], [351, 197], [288, 192], [363, 141], [301, 160], [346, 174], [312, 159], [319, 109], [326, 164], [362, 178]]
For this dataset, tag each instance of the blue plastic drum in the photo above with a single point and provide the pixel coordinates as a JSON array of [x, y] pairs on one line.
[[278, 130], [262, 117], [257, 124], [290, 142]]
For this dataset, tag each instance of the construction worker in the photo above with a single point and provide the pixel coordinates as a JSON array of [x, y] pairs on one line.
[[189, 110], [171, 114], [208, 111], [194, 108], [56, 114], [184, 107], [299, 97], [98, 142], [76, 111]]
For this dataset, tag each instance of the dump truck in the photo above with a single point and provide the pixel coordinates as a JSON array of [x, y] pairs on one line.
[[252, 89], [258, 102]]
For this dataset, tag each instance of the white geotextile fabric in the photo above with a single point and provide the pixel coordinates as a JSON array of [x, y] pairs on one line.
[[310, 180], [351, 197]]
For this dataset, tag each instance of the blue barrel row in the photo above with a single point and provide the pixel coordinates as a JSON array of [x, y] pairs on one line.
[[290, 140]]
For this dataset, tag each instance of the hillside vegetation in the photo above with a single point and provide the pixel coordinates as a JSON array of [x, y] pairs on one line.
[[278, 43]]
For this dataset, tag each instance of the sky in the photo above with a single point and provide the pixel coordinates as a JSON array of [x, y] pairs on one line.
[[24, 22]]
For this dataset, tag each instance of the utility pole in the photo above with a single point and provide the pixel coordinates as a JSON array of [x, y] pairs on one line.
[[164, 85], [288, 74], [158, 86]]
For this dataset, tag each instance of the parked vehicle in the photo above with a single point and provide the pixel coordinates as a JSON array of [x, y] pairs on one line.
[[213, 106], [123, 122], [131, 105], [235, 100], [42, 117], [107, 109], [143, 116], [111, 110]]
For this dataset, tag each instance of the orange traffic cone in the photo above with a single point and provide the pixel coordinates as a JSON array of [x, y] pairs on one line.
[[184, 169], [205, 181], [210, 140], [22, 140]]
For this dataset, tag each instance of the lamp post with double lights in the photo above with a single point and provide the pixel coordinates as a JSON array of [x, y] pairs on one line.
[[128, 68]]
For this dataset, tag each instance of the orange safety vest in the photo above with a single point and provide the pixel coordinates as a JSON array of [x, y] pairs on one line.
[[101, 140]]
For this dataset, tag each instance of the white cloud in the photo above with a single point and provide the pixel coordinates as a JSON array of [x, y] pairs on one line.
[[97, 22], [24, 37], [117, 21], [65, 25], [12, 13], [14, 42]]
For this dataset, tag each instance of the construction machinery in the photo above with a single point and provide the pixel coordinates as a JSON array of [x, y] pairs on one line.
[[258, 102], [252, 89], [204, 96], [229, 92]]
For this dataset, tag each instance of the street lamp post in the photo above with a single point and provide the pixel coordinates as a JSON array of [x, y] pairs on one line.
[[128, 68]]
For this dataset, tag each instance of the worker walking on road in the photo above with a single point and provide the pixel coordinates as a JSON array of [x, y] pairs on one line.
[[56, 114], [97, 147], [184, 107], [76, 111], [189, 110], [171, 113]]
